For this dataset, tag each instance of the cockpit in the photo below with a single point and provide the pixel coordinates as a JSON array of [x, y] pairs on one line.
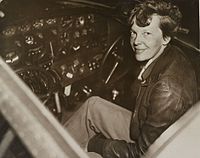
[[66, 51]]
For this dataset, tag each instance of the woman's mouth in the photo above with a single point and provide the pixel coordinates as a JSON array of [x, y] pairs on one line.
[[139, 51]]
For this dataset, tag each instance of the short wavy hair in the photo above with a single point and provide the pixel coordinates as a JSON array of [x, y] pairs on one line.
[[170, 15]]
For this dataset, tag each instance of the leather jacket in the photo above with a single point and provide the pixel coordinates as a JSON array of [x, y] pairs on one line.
[[168, 90]]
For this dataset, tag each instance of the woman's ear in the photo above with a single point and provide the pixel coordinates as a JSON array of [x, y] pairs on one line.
[[166, 40]]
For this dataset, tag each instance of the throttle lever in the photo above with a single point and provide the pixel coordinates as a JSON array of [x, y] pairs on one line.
[[118, 60]]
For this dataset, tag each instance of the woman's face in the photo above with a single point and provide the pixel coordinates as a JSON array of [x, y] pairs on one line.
[[147, 41]]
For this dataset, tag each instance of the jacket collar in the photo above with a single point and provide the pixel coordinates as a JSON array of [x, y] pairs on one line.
[[148, 68]]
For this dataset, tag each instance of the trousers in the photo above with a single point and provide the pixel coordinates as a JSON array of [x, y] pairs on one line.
[[98, 115]]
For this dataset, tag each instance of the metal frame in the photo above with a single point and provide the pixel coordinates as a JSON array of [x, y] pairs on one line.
[[40, 132]]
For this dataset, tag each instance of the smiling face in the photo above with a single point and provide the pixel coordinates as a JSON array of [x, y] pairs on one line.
[[148, 42]]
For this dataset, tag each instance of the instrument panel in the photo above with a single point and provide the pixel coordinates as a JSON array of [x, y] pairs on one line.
[[56, 48], [70, 45]]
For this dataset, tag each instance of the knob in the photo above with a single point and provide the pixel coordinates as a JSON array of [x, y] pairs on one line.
[[115, 93]]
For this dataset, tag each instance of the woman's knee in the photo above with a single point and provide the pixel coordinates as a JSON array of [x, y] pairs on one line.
[[95, 103], [92, 101]]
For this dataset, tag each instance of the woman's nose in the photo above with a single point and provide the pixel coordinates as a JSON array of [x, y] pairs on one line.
[[137, 40]]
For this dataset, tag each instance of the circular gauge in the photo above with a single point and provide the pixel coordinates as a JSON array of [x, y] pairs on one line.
[[51, 21], [66, 21], [12, 57], [91, 18], [9, 31], [34, 46], [80, 21], [24, 28], [38, 24], [12, 51]]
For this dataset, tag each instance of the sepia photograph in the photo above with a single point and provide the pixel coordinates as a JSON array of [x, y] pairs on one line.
[[99, 79]]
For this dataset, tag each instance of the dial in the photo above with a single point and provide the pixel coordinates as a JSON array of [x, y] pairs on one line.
[[38, 24], [9, 31]]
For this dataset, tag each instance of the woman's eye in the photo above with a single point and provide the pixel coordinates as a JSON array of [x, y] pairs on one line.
[[146, 33], [132, 33]]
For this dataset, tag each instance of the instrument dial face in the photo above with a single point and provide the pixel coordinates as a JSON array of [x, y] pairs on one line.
[[51, 21], [38, 24], [24, 28], [9, 31]]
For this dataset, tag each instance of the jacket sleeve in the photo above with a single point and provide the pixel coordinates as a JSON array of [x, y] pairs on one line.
[[165, 106]]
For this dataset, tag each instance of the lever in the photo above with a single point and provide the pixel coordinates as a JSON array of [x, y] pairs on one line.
[[111, 72], [118, 60]]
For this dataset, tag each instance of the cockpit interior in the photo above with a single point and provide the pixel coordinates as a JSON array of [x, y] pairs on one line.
[[66, 51]]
